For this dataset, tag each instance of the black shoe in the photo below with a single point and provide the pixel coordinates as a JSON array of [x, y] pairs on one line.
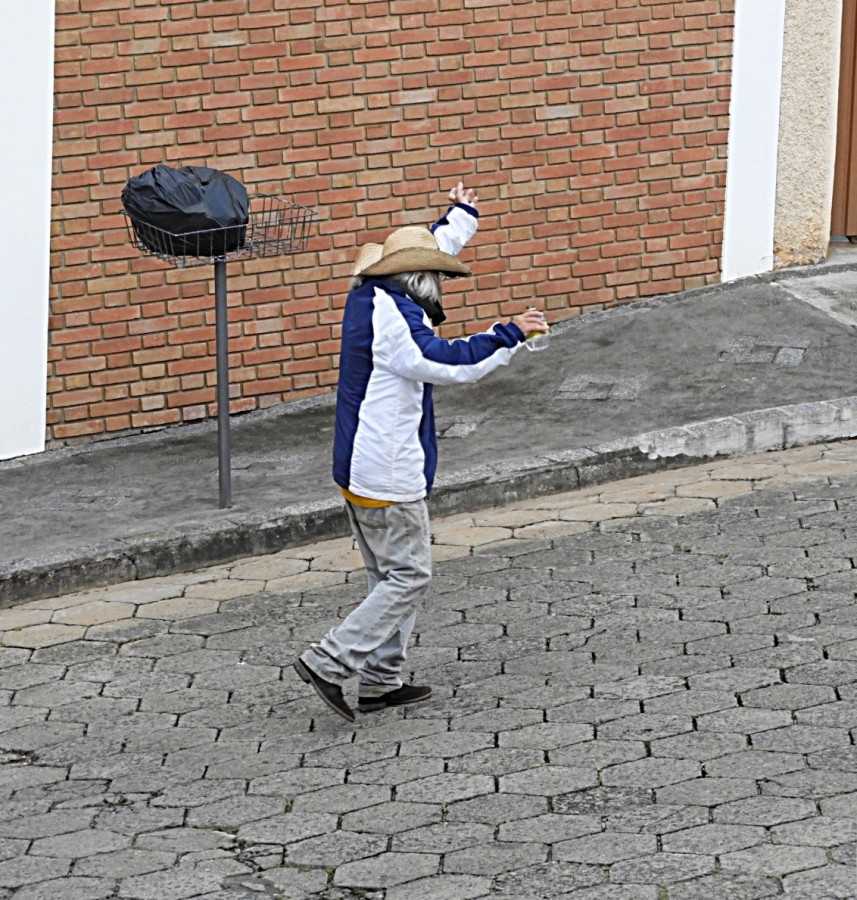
[[330, 693], [407, 693]]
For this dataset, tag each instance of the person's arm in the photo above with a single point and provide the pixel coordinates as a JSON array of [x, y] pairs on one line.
[[458, 225], [412, 349]]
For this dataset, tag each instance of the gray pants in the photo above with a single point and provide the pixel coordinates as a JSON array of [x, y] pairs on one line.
[[395, 542]]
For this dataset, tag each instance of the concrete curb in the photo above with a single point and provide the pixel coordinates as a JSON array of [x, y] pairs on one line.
[[198, 544]]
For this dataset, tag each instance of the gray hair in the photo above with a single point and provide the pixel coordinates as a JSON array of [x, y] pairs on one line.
[[419, 285]]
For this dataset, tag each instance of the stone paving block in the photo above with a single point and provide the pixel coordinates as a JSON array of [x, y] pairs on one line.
[[396, 771], [493, 858], [724, 886], [843, 759], [387, 870], [234, 811], [550, 879], [829, 672], [287, 828], [15, 676], [502, 648], [288, 783], [450, 887], [645, 727], [790, 651], [801, 739], [545, 736], [643, 687], [690, 703], [185, 840], [495, 809], [392, 818], [31, 869], [833, 881], [710, 839], [44, 635], [846, 854], [843, 806], [600, 754], [445, 837], [735, 679], [604, 800], [177, 883], [605, 848], [788, 696], [41, 735], [684, 666], [814, 784], [616, 892], [391, 728], [123, 863], [335, 849], [496, 761], [594, 711], [823, 831], [660, 819], [707, 791], [548, 780], [343, 798], [773, 623], [754, 722], [547, 697], [662, 868], [445, 788], [732, 644], [70, 888], [773, 859], [549, 828], [15, 619], [652, 772], [764, 811], [11, 847], [50, 824], [759, 764], [135, 819]]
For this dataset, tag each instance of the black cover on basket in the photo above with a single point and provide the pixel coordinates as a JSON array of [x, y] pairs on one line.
[[184, 201]]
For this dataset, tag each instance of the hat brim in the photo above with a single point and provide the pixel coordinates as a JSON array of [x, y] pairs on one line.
[[418, 259]]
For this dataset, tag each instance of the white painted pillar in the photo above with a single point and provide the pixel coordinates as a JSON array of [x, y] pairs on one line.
[[26, 117], [754, 116]]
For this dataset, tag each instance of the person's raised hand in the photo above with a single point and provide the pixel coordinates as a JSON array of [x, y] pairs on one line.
[[461, 194], [530, 321]]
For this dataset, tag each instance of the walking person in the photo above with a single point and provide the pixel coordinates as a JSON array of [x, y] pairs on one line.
[[385, 450]]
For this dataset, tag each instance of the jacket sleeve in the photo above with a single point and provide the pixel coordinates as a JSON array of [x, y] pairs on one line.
[[453, 230], [411, 349]]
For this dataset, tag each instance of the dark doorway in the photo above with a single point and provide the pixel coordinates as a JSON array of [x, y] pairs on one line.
[[844, 215]]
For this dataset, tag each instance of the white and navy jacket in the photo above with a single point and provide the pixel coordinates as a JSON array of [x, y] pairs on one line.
[[385, 446]]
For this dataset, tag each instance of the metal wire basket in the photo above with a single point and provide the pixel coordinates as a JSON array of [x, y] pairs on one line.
[[274, 226]]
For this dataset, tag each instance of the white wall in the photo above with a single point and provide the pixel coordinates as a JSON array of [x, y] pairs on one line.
[[26, 118], [754, 111]]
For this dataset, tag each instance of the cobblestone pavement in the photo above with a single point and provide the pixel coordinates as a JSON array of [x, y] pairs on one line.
[[645, 690]]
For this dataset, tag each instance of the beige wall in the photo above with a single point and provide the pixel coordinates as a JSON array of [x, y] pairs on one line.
[[808, 110]]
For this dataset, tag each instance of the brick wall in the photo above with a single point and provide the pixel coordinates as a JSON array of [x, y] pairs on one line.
[[594, 130]]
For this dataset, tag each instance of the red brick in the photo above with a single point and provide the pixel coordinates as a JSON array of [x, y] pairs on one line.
[[598, 141]]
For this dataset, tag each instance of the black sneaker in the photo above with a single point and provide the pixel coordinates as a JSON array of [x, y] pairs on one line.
[[407, 693], [329, 692]]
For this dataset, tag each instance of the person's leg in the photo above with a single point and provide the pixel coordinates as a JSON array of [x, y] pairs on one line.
[[397, 545], [382, 670]]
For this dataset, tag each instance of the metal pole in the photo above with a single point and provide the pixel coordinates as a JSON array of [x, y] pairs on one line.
[[222, 333]]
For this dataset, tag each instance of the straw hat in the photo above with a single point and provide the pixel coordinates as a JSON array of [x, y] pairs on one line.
[[369, 254], [413, 248]]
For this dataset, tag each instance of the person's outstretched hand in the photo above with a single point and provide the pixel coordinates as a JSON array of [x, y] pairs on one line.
[[530, 321], [461, 194]]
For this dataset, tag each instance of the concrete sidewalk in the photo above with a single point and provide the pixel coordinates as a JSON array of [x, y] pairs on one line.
[[754, 365]]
